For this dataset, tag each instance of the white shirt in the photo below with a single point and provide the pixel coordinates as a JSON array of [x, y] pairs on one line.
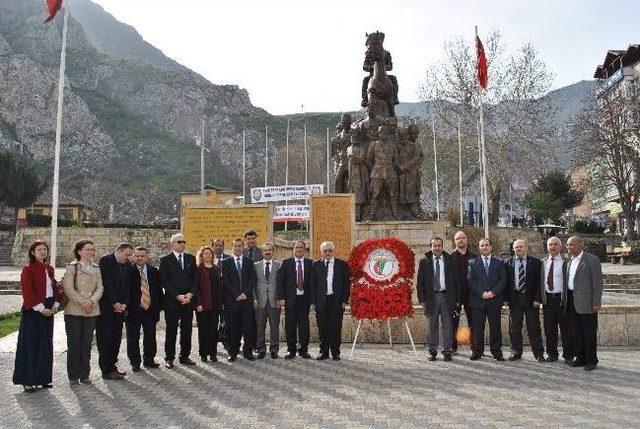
[[298, 291], [557, 274], [143, 270], [48, 294], [329, 275], [180, 258], [486, 261], [575, 261], [440, 261]]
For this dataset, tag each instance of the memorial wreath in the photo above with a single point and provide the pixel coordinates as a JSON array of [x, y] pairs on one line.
[[381, 279]]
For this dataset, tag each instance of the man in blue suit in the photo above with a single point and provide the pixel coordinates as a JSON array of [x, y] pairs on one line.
[[487, 279]]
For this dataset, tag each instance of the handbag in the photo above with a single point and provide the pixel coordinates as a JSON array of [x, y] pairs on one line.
[[65, 299]]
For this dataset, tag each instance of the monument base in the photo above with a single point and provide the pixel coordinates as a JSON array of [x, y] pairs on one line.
[[417, 234]]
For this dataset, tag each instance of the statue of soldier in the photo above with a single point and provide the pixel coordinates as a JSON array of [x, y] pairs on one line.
[[358, 174], [368, 126], [368, 67], [382, 157], [410, 159], [339, 145]]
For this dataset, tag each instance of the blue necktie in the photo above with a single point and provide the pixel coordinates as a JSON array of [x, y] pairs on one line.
[[486, 266]]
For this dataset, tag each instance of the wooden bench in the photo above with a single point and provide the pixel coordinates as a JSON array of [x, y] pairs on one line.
[[619, 254]]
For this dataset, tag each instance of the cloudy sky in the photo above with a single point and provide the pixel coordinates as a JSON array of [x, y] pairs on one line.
[[293, 53]]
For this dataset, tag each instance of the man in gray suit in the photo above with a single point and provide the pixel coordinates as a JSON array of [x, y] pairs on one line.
[[266, 302], [583, 288]]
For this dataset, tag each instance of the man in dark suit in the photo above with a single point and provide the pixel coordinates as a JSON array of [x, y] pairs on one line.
[[583, 288], [294, 281], [438, 295], [217, 244], [178, 275], [252, 251], [330, 287], [523, 295], [144, 310], [115, 268], [487, 279], [239, 282], [461, 257]]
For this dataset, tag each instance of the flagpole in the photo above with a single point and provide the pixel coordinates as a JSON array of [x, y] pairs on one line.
[[202, 156], [56, 156], [328, 159], [286, 174], [266, 153], [460, 172], [435, 164], [481, 173], [484, 160], [244, 165]]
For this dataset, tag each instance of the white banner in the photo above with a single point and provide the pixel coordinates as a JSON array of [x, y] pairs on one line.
[[272, 194], [291, 213]]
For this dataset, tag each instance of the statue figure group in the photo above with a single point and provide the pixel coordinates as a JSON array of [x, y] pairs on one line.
[[374, 158]]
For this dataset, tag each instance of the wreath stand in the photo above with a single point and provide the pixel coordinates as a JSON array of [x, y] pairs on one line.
[[406, 325]]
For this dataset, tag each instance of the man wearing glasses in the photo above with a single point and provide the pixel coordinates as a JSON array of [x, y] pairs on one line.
[[178, 277]]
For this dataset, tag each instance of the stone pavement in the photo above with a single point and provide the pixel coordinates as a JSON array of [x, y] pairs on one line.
[[380, 387]]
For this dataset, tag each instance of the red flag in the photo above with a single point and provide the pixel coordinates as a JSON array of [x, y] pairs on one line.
[[54, 6], [483, 77]]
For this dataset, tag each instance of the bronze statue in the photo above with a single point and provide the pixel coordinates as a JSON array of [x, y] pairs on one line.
[[339, 145], [409, 162], [381, 88], [382, 157], [358, 174]]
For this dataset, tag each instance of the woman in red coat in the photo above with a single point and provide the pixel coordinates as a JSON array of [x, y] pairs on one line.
[[41, 298]]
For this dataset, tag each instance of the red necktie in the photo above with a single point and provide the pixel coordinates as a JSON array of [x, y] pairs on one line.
[[550, 276], [266, 271], [299, 278]]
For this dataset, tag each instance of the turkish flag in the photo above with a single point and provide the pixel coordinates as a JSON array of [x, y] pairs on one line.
[[483, 77], [54, 6]]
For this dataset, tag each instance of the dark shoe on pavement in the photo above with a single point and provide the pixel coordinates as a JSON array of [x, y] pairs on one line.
[[305, 355], [250, 357], [577, 363], [47, 386], [499, 358], [323, 356], [231, 358], [514, 357], [261, 355], [590, 367], [187, 361], [551, 358], [203, 358], [74, 382], [289, 355], [113, 375], [432, 356], [86, 381], [274, 355], [447, 358], [336, 357], [541, 359], [214, 358], [151, 364], [135, 368], [122, 373], [169, 364], [29, 388], [475, 357]]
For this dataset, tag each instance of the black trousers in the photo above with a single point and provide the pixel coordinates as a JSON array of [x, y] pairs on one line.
[[296, 325], [584, 333], [79, 332], [178, 315], [330, 326], [553, 319], [108, 338], [490, 311], [456, 324], [208, 332], [135, 321], [240, 323], [521, 309]]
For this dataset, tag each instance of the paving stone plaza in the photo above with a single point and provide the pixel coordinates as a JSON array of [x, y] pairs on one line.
[[380, 387]]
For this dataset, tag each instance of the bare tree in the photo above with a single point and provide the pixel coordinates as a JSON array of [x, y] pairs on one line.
[[518, 125]]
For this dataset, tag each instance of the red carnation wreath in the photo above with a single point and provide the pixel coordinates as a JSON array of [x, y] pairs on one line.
[[381, 279]]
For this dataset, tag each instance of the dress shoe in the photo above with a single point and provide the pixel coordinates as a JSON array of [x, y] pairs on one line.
[[187, 361], [151, 364], [432, 356], [135, 368], [475, 357], [541, 359], [551, 358], [515, 357], [447, 358], [568, 361], [499, 358], [305, 355], [251, 357], [274, 355], [577, 363], [122, 373], [214, 359], [169, 364], [289, 355], [29, 388], [261, 355], [47, 386], [74, 382], [113, 375], [336, 357], [590, 367], [323, 356], [86, 381], [231, 358]]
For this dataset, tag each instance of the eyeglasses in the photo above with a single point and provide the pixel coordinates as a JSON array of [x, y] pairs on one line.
[[180, 242]]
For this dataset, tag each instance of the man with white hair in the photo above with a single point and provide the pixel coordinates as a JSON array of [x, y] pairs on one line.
[[330, 287]]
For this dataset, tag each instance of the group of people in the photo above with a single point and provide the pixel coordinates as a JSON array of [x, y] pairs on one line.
[[239, 291], [244, 290], [567, 289]]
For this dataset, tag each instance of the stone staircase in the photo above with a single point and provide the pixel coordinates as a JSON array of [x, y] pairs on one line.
[[6, 246], [624, 283]]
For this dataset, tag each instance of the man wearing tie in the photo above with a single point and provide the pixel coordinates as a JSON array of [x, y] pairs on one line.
[[239, 282], [144, 311], [252, 251], [584, 299], [178, 274], [218, 251], [330, 287], [487, 279], [437, 294], [266, 302], [523, 295], [293, 293]]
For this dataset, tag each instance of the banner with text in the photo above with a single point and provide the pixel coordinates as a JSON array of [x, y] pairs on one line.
[[271, 194], [291, 214]]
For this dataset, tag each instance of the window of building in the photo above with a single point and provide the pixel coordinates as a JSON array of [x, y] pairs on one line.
[[65, 214]]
